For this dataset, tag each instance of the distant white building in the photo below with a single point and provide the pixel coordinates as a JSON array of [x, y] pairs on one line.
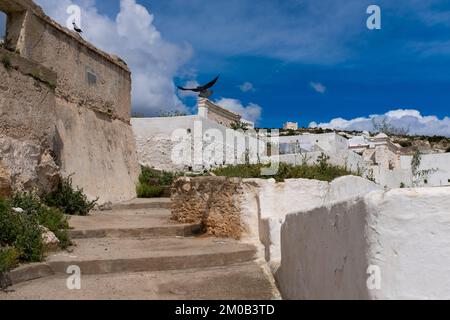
[[290, 126]]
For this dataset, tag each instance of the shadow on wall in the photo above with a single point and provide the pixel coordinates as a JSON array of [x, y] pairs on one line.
[[2, 26], [324, 254]]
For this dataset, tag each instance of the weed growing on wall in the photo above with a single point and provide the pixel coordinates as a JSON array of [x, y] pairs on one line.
[[152, 183], [321, 171], [6, 61], [71, 200]]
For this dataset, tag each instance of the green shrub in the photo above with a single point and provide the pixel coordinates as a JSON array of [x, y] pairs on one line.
[[70, 200], [152, 182], [406, 144], [9, 258], [163, 178], [148, 191], [51, 218], [6, 61], [28, 241], [9, 224], [23, 231], [448, 150]]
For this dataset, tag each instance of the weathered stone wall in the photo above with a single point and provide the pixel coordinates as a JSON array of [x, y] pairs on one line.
[[27, 112], [402, 235], [91, 101], [213, 201], [218, 114]]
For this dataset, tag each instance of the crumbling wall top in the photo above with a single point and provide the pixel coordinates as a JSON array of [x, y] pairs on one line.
[[12, 6]]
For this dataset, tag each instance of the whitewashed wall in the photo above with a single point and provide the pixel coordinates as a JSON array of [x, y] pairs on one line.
[[402, 234], [158, 148], [271, 202], [439, 174], [438, 163]]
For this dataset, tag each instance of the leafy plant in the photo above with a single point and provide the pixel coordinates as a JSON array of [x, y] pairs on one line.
[[6, 61], [29, 240], [149, 191], [322, 161], [22, 232], [323, 171], [51, 218], [9, 258], [419, 175], [152, 182], [405, 144], [69, 199], [239, 125]]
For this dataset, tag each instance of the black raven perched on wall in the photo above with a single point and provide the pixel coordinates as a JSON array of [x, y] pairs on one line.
[[76, 28]]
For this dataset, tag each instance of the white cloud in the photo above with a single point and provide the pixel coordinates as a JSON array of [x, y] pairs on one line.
[[133, 36], [250, 112], [247, 87], [409, 119], [318, 87]]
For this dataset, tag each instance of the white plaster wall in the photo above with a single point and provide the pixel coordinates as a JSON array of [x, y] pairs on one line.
[[439, 163], [343, 158], [329, 142], [155, 144], [408, 232], [405, 233]]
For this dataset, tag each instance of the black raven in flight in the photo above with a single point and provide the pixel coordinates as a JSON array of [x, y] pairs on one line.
[[203, 90]]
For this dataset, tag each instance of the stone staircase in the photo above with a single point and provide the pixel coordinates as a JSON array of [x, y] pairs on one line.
[[134, 251]]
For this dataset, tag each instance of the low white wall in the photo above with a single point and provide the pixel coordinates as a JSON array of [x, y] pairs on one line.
[[403, 234], [343, 158], [159, 148], [329, 142], [271, 202], [437, 164]]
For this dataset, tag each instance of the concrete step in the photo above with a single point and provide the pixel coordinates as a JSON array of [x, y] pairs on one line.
[[112, 255], [155, 203], [246, 281], [128, 223]]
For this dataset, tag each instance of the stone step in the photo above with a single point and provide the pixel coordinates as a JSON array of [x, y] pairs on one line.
[[111, 255], [155, 203], [246, 281], [129, 223]]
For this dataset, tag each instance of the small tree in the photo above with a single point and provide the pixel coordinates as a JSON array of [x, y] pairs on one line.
[[386, 127], [239, 125], [419, 175], [322, 161]]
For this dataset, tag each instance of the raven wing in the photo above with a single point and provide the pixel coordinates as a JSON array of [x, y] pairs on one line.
[[187, 89], [210, 84]]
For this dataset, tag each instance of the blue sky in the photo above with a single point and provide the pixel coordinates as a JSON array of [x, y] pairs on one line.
[[302, 60]]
